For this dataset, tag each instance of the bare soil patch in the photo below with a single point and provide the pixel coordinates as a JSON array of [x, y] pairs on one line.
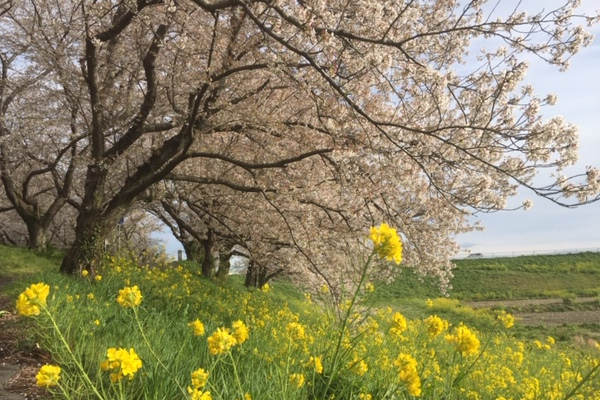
[[559, 318], [554, 318], [525, 302]]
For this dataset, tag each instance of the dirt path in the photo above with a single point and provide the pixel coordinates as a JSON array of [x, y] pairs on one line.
[[524, 302], [7, 373], [18, 366], [545, 318], [559, 318]]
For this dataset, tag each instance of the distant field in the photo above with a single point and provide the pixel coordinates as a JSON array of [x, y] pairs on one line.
[[526, 277], [549, 294], [562, 275]]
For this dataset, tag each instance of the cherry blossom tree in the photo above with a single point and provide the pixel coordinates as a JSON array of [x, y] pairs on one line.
[[308, 120]]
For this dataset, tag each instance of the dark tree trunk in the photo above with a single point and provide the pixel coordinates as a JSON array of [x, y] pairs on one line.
[[88, 248], [223, 270], [208, 262], [37, 238], [193, 249], [257, 275]]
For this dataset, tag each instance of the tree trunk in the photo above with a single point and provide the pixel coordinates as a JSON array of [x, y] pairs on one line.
[[88, 248], [193, 250], [257, 275], [223, 270], [37, 240], [251, 275], [208, 263]]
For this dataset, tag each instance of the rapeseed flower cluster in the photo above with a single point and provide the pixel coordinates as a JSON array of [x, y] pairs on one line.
[[316, 363], [129, 297], [465, 341], [199, 380], [48, 375], [298, 380], [435, 325], [221, 341], [386, 242], [34, 297], [506, 319], [400, 325], [240, 332], [407, 373], [198, 327], [121, 362]]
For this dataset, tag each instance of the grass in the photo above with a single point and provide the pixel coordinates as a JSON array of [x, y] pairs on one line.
[[286, 330], [17, 263], [557, 276]]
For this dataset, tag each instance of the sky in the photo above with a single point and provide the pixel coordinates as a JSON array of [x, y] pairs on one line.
[[546, 227]]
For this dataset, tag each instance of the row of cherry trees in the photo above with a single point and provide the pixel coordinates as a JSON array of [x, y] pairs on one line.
[[287, 127]]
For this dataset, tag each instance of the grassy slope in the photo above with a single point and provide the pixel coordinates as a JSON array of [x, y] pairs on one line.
[[18, 264], [562, 276]]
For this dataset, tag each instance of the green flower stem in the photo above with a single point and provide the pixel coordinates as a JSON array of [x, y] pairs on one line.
[[149, 346], [336, 354], [68, 348], [235, 373], [590, 374], [64, 391]]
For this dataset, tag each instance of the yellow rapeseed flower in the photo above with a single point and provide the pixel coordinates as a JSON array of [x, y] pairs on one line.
[[221, 341], [297, 379], [98, 278], [198, 327], [199, 378], [407, 373], [34, 297], [266, 288], [197, 394], [240, 331], [466, 342], [295, 331], [85, 273], [316, 363], [435, 325], [121, 362], [359, 367], [506, 319], [386, 242], [48, 375], [400, 324], [129, 296]]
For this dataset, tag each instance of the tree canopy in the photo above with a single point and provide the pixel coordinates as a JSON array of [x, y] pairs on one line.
[[286, 126]]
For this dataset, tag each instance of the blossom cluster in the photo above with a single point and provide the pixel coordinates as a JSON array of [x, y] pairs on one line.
[[121, 362], [386, 242], [222, 340], [34, 297], [199, 380]]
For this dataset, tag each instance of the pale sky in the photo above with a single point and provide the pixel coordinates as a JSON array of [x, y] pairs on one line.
[[547, 227]]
